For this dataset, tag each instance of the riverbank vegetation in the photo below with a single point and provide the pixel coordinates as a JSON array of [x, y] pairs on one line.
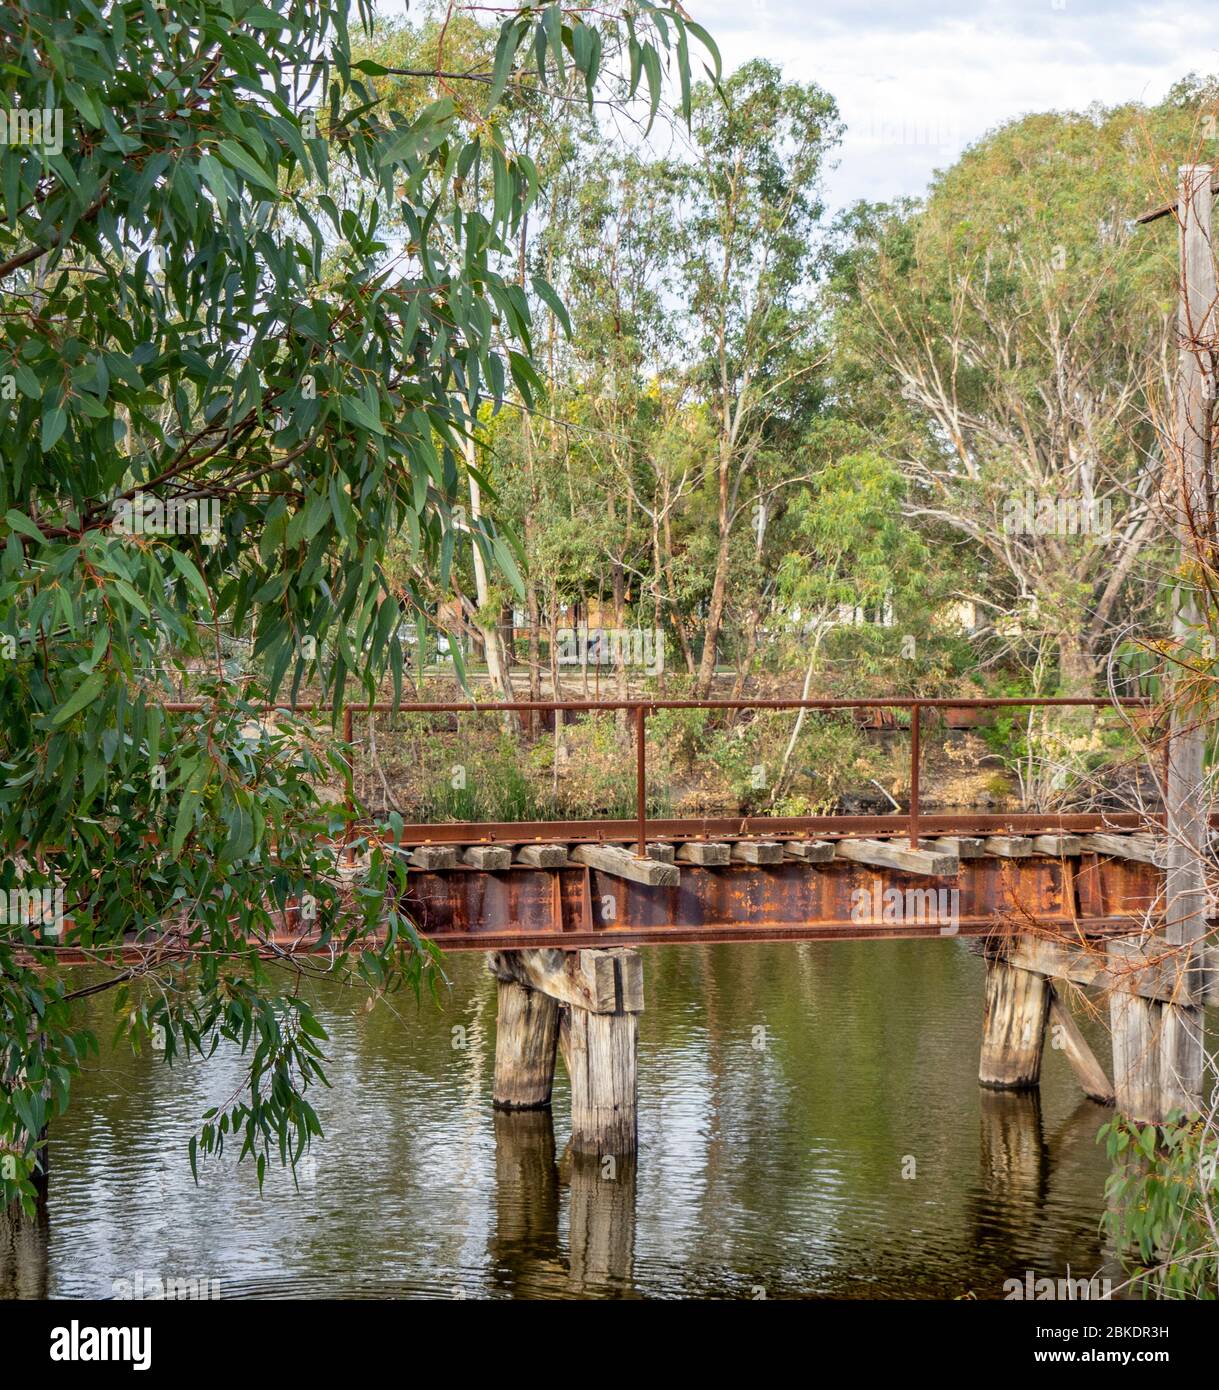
[[1160, 1204], [912, 449]]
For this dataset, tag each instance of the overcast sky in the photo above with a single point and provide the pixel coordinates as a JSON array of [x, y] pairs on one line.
[[917, 80]]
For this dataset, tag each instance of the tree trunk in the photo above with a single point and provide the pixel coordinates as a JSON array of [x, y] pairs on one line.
[[715, 619], [753, 623], [532, 607], [507, 626], [1076, 664], [533, 615], [553, 619], [619, 645], [663, 570], [780, 786], [492, 636]]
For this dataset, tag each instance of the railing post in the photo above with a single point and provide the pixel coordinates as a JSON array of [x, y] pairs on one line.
[[348, 738], [641, 780], [915, 759]]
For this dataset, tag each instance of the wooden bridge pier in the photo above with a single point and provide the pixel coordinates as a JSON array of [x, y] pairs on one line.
[[1013, 1026], [526, 1036], [1152, 994], [585, 1003]]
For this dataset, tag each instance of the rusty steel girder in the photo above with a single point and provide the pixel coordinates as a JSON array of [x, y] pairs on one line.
[[577, 906]]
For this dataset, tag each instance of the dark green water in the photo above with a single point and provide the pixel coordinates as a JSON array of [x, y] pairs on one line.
[[810, 1125]]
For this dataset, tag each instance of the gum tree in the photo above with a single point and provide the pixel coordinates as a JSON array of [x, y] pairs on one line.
[[194, 322], [1022, 328], [750, 205], [847, 546]]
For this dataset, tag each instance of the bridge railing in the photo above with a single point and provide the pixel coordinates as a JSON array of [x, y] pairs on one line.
[[639, 709]]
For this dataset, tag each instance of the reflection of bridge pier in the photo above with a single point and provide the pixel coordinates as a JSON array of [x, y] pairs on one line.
[[1019, 1164], [525, 1250], [1017, 1158], [601, 1221], [24, 1243], [1014, 1158]]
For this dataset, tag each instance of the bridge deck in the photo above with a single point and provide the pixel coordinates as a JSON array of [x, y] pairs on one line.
[[578, 906], [491, 900]]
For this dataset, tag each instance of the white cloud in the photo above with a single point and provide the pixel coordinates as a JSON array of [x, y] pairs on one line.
[[916, 82]]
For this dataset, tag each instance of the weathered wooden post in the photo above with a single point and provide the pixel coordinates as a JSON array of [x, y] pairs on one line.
[[1013, 1026], [1137, 1025], [1023, 1006], [599, 1052], [596, 996], [526, 1039], [1181, 1042], [1067, 1039]]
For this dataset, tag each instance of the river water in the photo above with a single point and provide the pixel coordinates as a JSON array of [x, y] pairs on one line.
[[810, 1125]]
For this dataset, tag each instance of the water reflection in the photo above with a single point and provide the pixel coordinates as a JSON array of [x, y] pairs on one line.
[[810, 1125], [23, 1253], [526, 1259], [601, 1224], [1014, 1160], [529, 1257]]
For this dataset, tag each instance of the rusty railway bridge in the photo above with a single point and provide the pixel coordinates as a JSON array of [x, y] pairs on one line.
[[561, 906], [647, 881]]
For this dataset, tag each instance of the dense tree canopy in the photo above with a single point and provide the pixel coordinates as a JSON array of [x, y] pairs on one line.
[[1022, 324], [241, 286]]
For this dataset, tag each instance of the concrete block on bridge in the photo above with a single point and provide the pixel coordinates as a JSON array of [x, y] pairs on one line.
[[757, 852], [431, 857], [810, 851], [704, 852], [493, 858], [542, 856]]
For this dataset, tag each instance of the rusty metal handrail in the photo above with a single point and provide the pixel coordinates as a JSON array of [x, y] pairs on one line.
[[642, 707]]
